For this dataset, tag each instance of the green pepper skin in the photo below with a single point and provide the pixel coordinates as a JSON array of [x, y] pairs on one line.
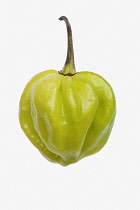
[[67, 117]]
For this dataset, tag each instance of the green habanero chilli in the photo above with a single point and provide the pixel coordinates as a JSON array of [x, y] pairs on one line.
[[67, 115]]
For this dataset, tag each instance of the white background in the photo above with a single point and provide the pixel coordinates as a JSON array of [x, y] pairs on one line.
[[106, 38]]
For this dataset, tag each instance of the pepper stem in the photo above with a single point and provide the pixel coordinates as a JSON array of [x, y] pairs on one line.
[[69, 67]]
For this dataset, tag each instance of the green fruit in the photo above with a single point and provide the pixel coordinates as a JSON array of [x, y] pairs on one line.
[[67, 115]]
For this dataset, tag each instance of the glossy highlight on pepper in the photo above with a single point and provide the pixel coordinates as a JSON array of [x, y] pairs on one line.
[[67, 115]]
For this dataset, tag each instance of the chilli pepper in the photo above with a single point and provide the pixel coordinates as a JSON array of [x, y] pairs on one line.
[[67, 115]]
